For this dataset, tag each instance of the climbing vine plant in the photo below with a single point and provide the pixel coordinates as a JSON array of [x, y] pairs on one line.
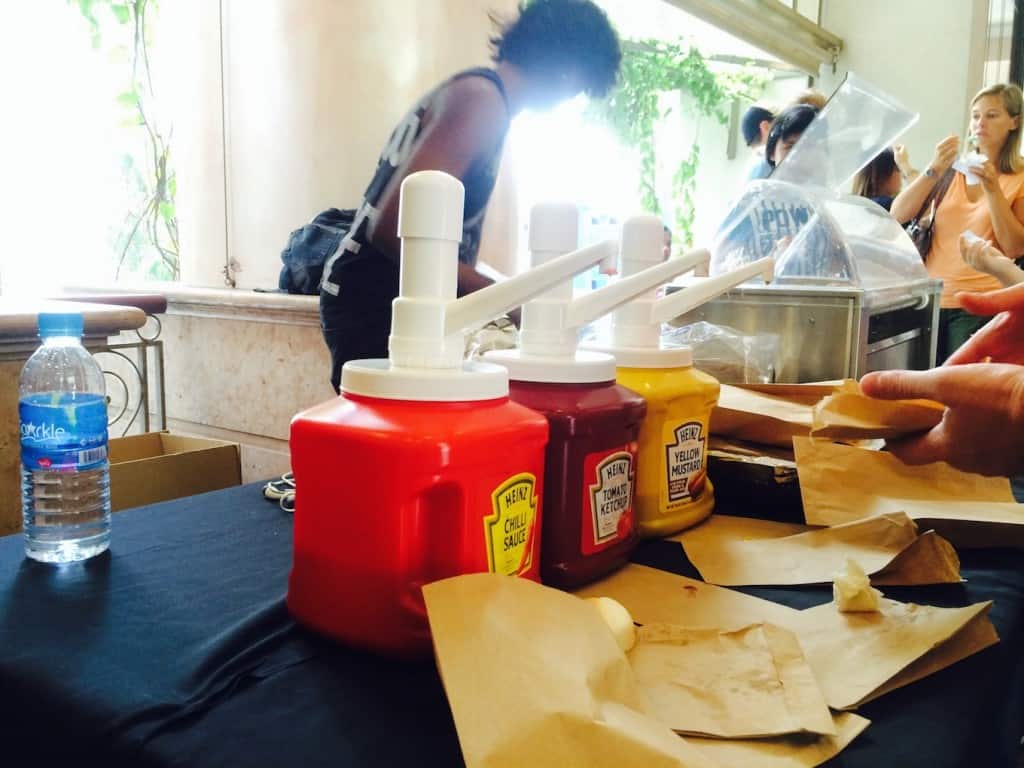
[[147, 242], [651, 69]]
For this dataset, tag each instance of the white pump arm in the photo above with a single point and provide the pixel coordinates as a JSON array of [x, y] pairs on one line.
[[708, 288], [588, 308], [480, 306]]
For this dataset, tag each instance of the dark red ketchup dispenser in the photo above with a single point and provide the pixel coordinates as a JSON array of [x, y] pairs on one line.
[[589, 528], [422, 468]]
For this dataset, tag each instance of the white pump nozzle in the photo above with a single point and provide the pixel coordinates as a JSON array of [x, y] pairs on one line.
[[428, 322], [593, 305], [691, 297], [551, 323], [427, 341], [489, 302], [600, 302], [636, 329]]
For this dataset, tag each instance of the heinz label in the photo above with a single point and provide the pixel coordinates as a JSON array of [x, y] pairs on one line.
[[510, 529], [685, 463], [608, 488]]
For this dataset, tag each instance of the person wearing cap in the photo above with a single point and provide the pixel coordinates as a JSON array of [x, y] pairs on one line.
[[756, 123], [553, 50]]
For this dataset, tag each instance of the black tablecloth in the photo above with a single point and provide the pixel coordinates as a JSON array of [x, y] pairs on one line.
[[176, 649]]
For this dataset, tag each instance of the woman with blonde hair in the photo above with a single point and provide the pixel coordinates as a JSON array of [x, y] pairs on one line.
[[993, 208]]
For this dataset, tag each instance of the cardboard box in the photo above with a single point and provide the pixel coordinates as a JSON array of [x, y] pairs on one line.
[[158, 466]]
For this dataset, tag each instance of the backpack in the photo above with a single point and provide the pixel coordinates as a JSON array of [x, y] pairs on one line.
[[309, 247]]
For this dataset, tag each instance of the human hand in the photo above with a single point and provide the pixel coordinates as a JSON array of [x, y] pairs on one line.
[[1002, 338], [946, 152], [978, 253], [902, 157], [982, 428], [989, 176]]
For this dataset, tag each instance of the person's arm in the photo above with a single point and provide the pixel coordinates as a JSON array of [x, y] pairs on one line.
[[468, 123], [1007, 219], [902, 157], [982, 428], [1001, 339], [909, 201], [982, 256]]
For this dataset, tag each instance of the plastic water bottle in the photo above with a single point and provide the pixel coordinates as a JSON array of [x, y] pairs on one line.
[[65, 485]]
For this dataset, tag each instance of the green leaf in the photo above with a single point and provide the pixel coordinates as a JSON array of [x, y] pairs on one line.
[[167, 211], [654, 67], [121, 13], [129, 99]]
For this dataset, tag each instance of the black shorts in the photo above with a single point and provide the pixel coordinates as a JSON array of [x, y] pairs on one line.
[[357, 322]]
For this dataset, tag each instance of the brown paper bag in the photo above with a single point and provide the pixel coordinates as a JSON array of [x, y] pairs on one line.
[[746, 683], [967, 524], [886, 546], [719, 527], [534, 677], [977, 634], [654, 596], [929, 560], [850, 415], [755, 416], [783, 752], [839, 484], [873, 648]]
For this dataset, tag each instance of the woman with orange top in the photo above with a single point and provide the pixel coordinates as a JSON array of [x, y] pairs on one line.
[[993, 209]]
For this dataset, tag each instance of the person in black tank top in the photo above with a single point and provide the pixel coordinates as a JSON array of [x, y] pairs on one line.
[[554, 50]]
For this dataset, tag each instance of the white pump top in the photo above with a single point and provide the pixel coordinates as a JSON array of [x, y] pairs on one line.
[[551, 323], [636, 327], [428, 323]]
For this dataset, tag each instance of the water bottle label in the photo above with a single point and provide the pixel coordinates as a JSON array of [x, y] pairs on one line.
[[63, 431]]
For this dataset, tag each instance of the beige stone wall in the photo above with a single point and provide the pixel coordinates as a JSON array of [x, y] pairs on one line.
[[238, 366], [239, 378]]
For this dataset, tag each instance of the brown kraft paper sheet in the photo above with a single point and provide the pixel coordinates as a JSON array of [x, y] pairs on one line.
[[885, 546], [749, 682], [654, 596], [839, 484], [535, 677], [850, 415]]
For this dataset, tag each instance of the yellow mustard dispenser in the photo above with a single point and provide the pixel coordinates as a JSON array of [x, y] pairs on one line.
[[672, 487]]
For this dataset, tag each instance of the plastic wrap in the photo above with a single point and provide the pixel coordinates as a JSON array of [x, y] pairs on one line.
[[727, 354]]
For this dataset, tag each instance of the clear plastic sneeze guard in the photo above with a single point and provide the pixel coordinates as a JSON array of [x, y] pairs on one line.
[[818, 235], [850, 293]]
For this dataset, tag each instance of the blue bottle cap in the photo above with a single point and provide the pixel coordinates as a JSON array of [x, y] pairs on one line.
[[60, 324]]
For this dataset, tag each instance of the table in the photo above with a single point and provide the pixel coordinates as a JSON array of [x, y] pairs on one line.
[[175, 649]]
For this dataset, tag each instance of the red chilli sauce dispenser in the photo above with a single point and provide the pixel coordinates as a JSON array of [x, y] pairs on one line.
[[422, 468], [672, 489], [589, 529]]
